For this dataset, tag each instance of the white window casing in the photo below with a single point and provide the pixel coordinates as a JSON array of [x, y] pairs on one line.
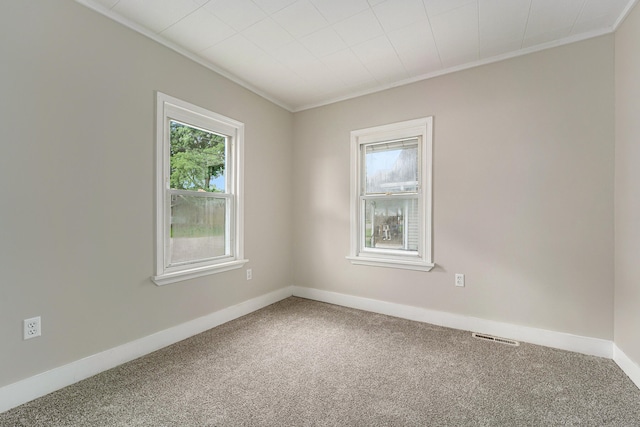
[[409, 200], [170, 109]]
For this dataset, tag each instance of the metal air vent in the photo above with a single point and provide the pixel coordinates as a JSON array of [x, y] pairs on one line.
[[486, 337]]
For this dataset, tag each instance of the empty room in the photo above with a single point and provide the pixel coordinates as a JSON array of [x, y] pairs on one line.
[[320, 212]]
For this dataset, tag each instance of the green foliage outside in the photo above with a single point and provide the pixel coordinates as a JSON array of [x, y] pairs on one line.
[[196, 230], [197, 157]]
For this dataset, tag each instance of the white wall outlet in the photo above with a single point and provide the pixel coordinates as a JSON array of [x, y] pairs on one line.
[[249, 274], [32, 327], [460, 280]]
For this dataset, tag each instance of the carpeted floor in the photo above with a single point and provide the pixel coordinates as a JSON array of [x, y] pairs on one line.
[[305, 363]]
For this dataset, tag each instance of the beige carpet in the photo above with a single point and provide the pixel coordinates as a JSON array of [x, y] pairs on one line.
[[305, 363]]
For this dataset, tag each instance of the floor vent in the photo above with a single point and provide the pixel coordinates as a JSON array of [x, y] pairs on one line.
[[495, 339]]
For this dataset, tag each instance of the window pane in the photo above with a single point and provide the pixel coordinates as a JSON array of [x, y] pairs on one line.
[[197, 159], [197, 228], [392, 224], [391, 167]]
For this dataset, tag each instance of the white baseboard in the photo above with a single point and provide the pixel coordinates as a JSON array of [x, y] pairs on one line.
[[629, 367], [31, 388], [560, 340]]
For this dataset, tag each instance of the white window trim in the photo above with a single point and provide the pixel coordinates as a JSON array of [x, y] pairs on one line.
[[177, 109], [422, 128]]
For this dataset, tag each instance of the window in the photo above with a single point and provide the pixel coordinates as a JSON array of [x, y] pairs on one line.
[[391, 195], [199, 217]]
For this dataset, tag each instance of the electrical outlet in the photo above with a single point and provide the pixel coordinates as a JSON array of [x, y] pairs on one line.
[[32, 327], [249, 274], [460, 280]]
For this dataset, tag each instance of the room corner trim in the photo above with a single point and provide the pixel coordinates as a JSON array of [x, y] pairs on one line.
[[559, 340], [627, 365], [23, 391]]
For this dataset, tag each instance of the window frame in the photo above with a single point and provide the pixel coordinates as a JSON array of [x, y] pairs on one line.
[[169, 109], [422, 259]]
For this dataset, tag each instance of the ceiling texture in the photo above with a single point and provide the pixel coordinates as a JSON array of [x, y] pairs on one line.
[[305, 53]]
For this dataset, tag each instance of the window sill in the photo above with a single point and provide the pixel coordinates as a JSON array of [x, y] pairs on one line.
[[178, 276], [391, 263]]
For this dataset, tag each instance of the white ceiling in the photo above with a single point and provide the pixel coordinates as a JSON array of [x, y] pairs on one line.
[[304, 53]]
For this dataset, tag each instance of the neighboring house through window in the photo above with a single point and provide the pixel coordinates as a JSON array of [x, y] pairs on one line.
[[391, 195], [199, 215]]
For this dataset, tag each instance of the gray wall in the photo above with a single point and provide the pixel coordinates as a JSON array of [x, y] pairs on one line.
[[77, 185], [523, 191], [627, 196]]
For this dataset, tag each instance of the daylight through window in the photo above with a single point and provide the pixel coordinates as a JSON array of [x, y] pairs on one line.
[[391, 195], [199, 206]]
